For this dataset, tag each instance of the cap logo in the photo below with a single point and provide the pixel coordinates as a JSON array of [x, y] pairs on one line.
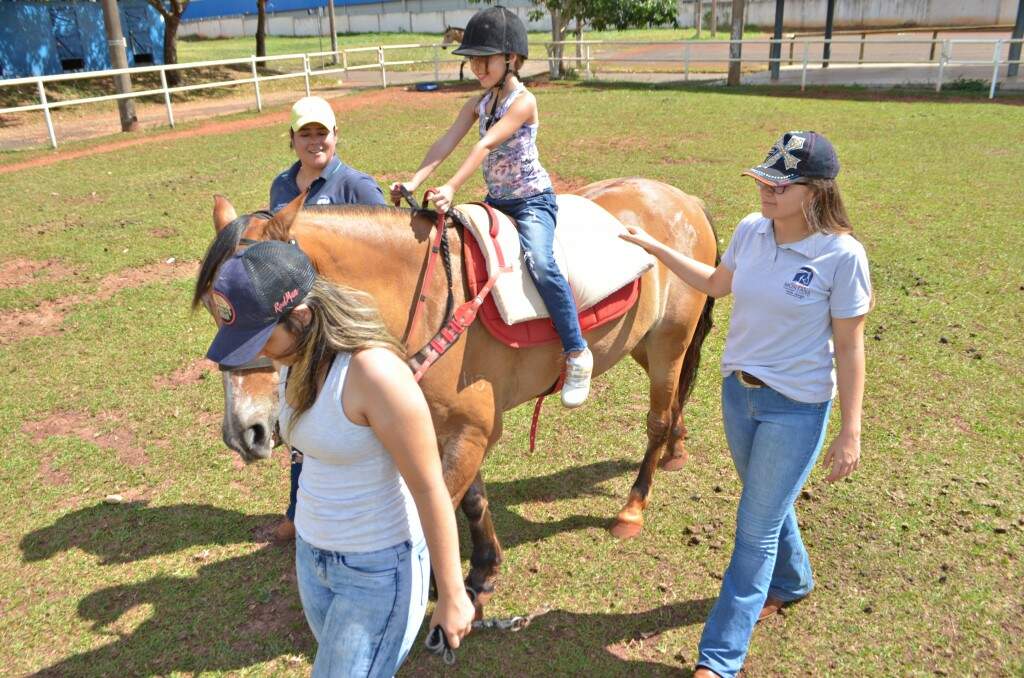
[[223, 308], [795, 143], [289, 296]]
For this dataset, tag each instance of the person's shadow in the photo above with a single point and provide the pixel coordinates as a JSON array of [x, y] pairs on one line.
[[233, 613]]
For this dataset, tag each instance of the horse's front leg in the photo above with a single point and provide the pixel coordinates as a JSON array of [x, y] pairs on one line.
[[486, 558]]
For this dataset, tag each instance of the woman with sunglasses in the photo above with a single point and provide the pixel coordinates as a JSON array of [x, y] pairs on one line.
[[506, 115], [801, 288]]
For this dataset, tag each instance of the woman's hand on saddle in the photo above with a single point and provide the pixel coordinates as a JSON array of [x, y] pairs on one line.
[[843, 456], [639, 236], [396, 191], [454, 614], [442, 197]]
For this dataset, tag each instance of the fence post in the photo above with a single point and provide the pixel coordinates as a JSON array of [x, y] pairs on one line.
[[995, 68], [256, 82], [344, 61], [167, 96], [590, 73], [437, 63], [46, 113], [860, 57], [686, 61], [792, 39], [383, 72], [943, 58], [305, 71], [931, 50], [803, 72]]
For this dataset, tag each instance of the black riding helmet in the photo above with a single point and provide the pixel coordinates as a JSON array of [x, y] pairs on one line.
[[494, 30]]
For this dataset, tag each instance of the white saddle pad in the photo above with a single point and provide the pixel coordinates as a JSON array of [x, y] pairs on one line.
[[591, 256]]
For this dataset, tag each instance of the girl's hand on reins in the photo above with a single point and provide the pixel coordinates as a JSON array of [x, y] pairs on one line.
[[396, 191], [442, 197], [843, 456], [454, 614], [639, 236]]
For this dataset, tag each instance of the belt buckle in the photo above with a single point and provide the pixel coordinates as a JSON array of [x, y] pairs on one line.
[[741, 375]]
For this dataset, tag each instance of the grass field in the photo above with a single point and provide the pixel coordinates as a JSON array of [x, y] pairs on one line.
[[917, 557]]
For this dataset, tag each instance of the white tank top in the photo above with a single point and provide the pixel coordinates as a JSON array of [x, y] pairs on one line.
[[351, 499]]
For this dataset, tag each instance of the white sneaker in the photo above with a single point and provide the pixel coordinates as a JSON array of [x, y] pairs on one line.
[[577, 379]]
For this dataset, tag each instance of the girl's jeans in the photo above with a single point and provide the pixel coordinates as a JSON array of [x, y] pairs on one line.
[[536, 217], [774, 442], [365, 609]]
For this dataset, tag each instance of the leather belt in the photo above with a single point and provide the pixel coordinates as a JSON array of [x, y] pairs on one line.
[[747, 379]]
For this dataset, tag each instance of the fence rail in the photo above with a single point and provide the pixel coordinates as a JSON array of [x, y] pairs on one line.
[[584, 59]]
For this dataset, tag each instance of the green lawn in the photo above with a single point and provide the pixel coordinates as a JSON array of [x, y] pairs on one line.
[[918, 557]]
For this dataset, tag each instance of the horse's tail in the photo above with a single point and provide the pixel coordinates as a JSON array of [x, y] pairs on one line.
[[691, 360]]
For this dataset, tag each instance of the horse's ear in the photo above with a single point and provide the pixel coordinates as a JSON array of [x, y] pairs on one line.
[[280, 226], [223, 212]]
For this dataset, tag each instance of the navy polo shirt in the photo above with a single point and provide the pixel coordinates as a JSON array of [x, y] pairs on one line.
[[785, 297], [338, 184]]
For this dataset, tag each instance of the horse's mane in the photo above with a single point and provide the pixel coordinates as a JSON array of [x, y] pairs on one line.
[[223, 246]]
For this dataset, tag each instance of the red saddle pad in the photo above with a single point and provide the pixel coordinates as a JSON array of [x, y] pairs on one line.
[[542, 330]]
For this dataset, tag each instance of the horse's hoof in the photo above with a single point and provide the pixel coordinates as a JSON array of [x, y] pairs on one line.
[[623, 530], [674, 463]]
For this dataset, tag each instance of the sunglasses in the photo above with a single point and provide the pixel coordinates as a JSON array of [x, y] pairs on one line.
[[777, 190]]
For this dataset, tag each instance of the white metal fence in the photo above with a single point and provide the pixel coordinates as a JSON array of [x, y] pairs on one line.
[[683, 54]]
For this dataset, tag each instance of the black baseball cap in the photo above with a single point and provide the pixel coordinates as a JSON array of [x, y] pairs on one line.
[[795, 157], [253, 291]]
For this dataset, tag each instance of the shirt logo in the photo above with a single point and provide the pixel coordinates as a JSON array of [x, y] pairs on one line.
[[799, 287], [795, 143]]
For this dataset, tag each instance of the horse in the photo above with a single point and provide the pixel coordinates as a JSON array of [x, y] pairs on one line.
[[381, 250], [453, 36]]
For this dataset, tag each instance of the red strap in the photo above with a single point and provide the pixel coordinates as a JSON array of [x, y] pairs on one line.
[[536, 410], [421, 298]]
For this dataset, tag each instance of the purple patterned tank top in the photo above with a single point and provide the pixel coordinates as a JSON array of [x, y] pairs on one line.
[[513, 169]]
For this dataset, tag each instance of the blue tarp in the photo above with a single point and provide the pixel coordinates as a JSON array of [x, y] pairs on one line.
[[202, 9], [50, 38]]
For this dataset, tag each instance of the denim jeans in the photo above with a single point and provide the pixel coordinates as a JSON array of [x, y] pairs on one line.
[[365, 609], [536, 217], [774, 442]]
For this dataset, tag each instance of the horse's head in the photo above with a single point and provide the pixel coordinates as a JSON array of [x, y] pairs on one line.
[[451, 36], [249, 425]]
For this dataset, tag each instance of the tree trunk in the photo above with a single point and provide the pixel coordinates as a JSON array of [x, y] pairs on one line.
[[261, 28], [578, 64], [557, 32], [714, 18], [735, 48], [171, 48]]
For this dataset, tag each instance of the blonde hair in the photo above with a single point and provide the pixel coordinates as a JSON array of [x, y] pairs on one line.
[[824, 210], [342, 320]]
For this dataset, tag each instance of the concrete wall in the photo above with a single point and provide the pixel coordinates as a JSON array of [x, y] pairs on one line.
[[432, 16]]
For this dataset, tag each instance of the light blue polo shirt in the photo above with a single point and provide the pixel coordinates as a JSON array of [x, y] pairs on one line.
[[785, 297]]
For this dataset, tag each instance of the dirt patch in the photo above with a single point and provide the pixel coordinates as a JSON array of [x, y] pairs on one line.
[[21, 272], [164, 232], [379, 99], [46, 318], [567, 184], [121, 440], [50, 475], [190, 374]]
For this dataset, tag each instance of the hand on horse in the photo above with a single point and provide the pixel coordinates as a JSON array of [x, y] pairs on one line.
[[442, 197], [639, 236], [455, 615], [396, 191], [843, 456]]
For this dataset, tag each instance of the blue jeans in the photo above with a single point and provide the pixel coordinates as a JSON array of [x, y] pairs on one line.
[[365, 609], [774, 442], [536, 217]]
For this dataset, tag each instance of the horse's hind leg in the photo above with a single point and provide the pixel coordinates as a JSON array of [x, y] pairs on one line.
[[662, 357], [486, 558]]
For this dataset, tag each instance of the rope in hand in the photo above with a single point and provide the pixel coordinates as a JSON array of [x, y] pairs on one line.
[[437, 640]]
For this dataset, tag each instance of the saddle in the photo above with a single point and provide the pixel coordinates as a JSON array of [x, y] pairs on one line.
[[602, 269]]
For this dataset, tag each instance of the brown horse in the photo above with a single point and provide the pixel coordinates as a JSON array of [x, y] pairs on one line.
[[382, 251], [453, 36]]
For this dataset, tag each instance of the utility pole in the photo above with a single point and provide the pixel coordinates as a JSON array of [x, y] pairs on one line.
[[736, 48], [334, 31], [775, 51], [118, 59], [714, 19], [830, 16], [1018, 33], [698, 18]]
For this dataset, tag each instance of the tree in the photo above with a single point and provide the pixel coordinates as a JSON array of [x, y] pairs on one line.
[[261, 28], [171, 11]]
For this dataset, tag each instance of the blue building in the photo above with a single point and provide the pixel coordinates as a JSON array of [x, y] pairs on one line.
[[48, 38]]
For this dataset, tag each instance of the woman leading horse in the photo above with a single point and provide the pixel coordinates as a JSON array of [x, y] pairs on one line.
[[381, 251]]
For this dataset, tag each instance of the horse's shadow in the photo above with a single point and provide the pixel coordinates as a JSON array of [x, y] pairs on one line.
[[563, 643]]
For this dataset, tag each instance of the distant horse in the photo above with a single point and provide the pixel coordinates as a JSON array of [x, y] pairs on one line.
[[453, 36], [381, 250]]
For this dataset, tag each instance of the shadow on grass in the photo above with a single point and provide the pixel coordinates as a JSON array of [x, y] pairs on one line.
[[229, 615], [566, 643]]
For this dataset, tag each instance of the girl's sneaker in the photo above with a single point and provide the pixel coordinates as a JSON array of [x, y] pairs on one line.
[[577, 378]]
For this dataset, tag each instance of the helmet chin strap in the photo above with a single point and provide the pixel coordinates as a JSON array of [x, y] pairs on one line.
[[497, 92]]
